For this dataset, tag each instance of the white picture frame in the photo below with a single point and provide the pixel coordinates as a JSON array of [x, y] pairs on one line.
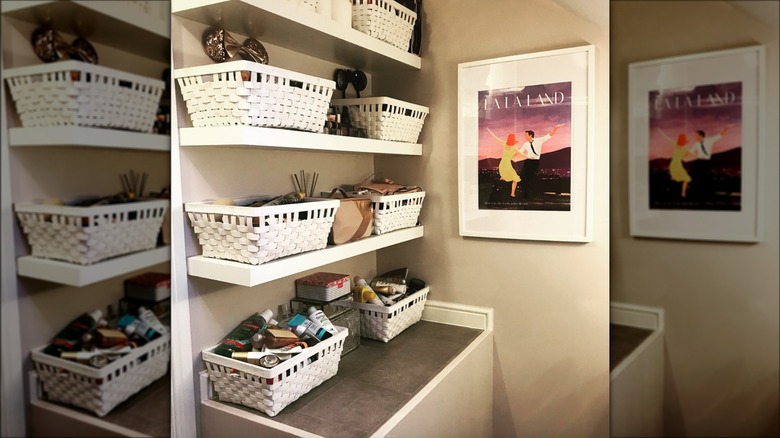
[[552, 94], [685, 185]]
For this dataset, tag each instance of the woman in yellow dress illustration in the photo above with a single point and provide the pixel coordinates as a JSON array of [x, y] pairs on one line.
[[505, 169], [676, 169]]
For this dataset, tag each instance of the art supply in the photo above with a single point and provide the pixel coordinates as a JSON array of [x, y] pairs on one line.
[[240, 338], [275, 338], [319, 316], [137, 328], [69, 338], [150, 318], [302, 325], [106, 338], [362, 292]]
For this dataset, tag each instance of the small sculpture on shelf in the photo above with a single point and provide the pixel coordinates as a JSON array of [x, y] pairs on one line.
[[220, 46], [49, 46]]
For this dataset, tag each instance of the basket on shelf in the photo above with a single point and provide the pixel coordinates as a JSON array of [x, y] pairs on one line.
[[251, 94], [270, 390], [101, 389], [383, 323], [385, 118], [85, 235], [256, 235], [384, 20], [394, 212], [75, 93]]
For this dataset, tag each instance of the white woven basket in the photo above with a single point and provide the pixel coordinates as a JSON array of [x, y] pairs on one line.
[[101, 389], [218, 95], [255, 235], [393, 212], [74, 93], [385, 118], [270, 390], [383, 323], [385, 20], [86, 235]]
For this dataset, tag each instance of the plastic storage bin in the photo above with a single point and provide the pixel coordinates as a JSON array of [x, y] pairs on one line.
[[383, 323], [101, 389], [75, 93], [86, 235], [255, 235], [384, 20], [270, 390], [251, 94], [385, 118]]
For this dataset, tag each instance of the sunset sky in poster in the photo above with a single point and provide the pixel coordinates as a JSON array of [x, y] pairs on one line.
[[706, 107], [539, 117]]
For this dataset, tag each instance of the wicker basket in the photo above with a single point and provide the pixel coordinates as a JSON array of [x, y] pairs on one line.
[[101, 389], [256, 235], [270, 390], [86, 235], [394, 212], [385, 118], [384, 20], [218, 95], [383, 323], [74, 93]]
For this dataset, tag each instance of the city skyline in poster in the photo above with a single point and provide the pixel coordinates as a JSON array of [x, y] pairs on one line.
[[683, 173], [537, 107]]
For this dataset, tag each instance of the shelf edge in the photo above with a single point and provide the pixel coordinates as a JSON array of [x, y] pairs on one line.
[[241, 274], [70, 274]]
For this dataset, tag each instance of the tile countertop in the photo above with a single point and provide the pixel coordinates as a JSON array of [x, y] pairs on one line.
[[375, 380]]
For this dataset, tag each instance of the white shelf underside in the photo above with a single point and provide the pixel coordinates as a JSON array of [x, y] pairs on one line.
[[301, 30], [77, 275], [92, 137], [248, 275], [239, 136]]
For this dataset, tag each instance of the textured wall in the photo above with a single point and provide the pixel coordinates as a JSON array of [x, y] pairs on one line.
[[550, 299], [721, 300]]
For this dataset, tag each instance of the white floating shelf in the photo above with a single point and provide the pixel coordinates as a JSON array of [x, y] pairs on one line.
[[92, 137], [248, 275], [72, 274], [282, 23], [117, 24], [252, 136]]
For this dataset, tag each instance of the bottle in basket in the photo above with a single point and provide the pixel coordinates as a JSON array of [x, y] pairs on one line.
[[319, 317], [240, 338], [69, 338]]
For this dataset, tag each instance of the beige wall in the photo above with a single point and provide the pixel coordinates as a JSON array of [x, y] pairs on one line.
[[551, 371], [721, 299]]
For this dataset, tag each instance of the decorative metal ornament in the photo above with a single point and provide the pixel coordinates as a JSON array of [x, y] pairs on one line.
[[220, 46], [49, 46]]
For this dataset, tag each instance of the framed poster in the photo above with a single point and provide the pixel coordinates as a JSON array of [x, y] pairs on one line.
[[525, 158], [694, 146]]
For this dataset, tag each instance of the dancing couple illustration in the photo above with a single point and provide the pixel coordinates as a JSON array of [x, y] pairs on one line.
[[699, 151], [530, 151]]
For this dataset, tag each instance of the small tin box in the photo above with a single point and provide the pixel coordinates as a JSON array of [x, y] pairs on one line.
[[322, 286], [151, 286]]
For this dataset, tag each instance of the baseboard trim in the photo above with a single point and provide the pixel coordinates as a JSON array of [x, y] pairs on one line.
[[458, 314], [634, 315]]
